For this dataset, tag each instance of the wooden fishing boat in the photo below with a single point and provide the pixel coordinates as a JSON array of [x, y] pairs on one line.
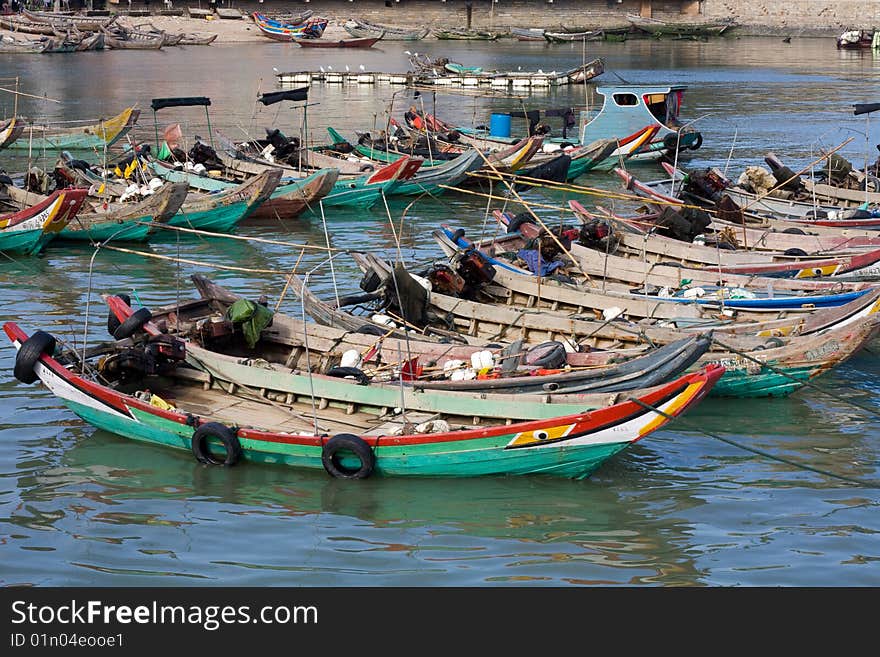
[[682, 187], [466, 35], [361, 190], [267, 432], [661, 28], [284, 31], [292, 370], [658, 248], [15, 23], [196, 39], [450, 172], [10, 131], [600, 272], [130, 222], [789, 360], [568, 37], [293, 198], [858, 39], [339, 43], [13, 46], [65, 43], [711, 186], [574, 292], [584, 158], [30, 228], [289, 18], [528, 33], [511, 158], [131, 40], [97, 135], [361, 29], [743, 235], [80, 22], [93, 41], [222, 210], [229, 13]]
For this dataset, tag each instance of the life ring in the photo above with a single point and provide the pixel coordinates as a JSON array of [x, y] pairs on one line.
[[347, 442], [698, 142], [133, 323], [345, 372], [219, 432], [113, 321], [29, 354]]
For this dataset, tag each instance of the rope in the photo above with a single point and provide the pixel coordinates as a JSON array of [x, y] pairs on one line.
[[809, 384], [198, 263], [861, 482]]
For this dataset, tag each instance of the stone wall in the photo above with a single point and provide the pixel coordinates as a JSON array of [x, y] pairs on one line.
[[789, 17], [797, 16]]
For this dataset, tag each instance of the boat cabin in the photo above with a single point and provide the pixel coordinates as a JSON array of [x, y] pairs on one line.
[[629, 108]]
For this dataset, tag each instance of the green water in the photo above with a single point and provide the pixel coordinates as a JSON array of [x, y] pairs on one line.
[[84, 507]]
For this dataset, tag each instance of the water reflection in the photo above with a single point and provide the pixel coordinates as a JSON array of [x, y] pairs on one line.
[[85, 507]]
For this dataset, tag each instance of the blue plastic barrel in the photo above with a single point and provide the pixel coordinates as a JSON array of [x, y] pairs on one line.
[[499, 125]]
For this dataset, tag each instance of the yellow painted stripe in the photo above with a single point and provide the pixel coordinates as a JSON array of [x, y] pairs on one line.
[[686, 396], [812, 272]]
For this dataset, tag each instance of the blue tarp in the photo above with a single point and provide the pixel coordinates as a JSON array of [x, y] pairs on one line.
[[530, 256]]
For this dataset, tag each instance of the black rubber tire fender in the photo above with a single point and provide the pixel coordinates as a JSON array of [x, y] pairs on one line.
[[671, 141], [698, 142], [134, 323], [794, 231], [370, 329], [795, 252], [347, 442], [29, 353], [726, 246], [554, 358], [344, 372], [514, 225], [366, 167], [773, 343], [222, 433], [112, 321]]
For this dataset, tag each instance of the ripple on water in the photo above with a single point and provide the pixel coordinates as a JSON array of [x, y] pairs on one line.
[[83, 507]]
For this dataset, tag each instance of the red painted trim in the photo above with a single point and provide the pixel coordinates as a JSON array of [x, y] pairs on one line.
[[586, 422], [389, 172]]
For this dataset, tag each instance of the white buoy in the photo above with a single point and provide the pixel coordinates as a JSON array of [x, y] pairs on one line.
[[611, 313], [351, 358]]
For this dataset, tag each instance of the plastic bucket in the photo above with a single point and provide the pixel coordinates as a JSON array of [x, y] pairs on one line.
[[499, 125]]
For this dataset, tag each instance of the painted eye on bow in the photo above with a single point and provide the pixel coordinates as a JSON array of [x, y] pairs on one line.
[[541, 435]]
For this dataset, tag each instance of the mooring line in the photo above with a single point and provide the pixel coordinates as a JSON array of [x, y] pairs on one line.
[[759, 452], [808, 383]]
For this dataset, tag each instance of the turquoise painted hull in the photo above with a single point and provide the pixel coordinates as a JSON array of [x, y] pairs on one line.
[[737, 383], [24, 242], [127, 231], [482, 457], [352, 194], [71, 143], [223, 219]]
